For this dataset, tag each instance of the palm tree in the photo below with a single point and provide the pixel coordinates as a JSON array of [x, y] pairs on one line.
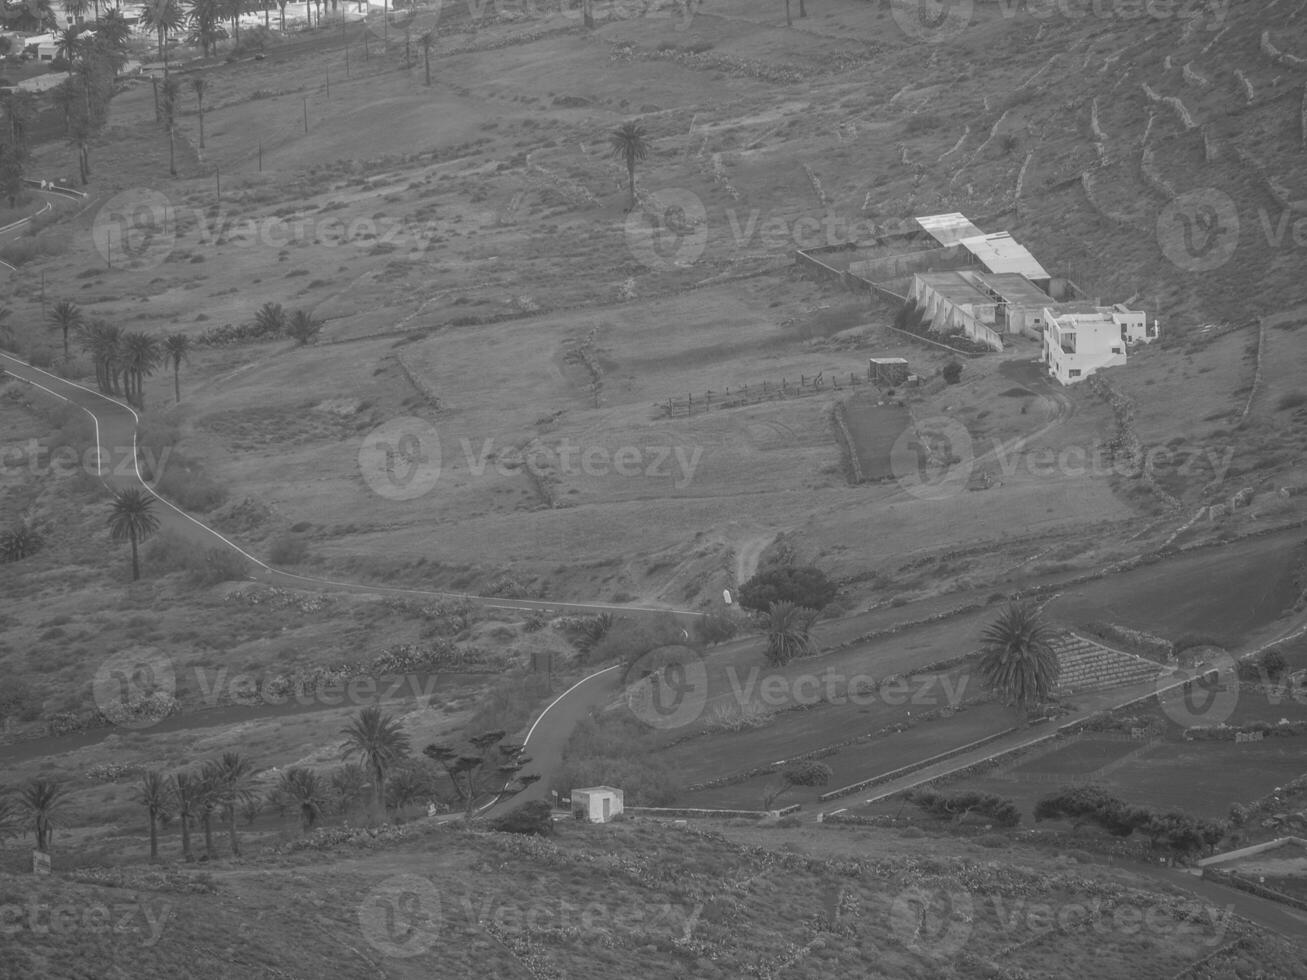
[[304, 788], [379, 741], [19, 542], [77, 9], [281, 4], [270, 318], [163, 17], [233, 773], [788, 632], [187, 789], [20, 108], [209, 799], [199, 85], [427, 41], [1017, 656], [168, 102], [103, 341], [113, 30], [67, 44], [142, 354], [65, 315], [177, 348], [205, 24], [132, 519], [11, 820], [349, 784], [42, 799], [629, 143], [157, 796]]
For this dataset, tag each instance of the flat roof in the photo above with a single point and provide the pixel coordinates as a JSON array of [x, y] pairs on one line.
[[1000, 252], [1014, 288], [948, 229], [955, 287], [888, 360]]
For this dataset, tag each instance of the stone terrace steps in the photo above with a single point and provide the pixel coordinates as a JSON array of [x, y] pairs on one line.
[[1089, 666]]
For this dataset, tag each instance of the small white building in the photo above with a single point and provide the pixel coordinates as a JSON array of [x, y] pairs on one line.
[[1078, 344], [1135, 328], [597, 804]]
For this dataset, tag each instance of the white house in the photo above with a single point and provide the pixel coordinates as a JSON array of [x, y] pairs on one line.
[[597, 804], [1135, 328], [1078, 344]]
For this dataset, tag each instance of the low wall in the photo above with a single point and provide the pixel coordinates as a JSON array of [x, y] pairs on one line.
[[692, 812]]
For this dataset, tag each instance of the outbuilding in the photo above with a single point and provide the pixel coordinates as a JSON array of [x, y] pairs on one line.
[[596, 804]]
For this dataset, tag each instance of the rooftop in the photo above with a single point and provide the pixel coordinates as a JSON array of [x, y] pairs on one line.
[[1000, 252], [955, 287], [949, 229], [1013, 287]]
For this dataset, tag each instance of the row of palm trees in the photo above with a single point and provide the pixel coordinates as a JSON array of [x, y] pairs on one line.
[[219, 790], [123, 359]]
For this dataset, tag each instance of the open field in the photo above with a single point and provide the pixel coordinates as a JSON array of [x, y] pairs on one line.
[[486, 281]]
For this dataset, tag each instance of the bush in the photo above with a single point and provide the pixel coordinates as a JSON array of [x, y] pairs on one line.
[[287, 549], [952, 372], [802, 585], [628, 639], [184, 482], [716, 628], [1293, 399], [955, 806], [532, 817]]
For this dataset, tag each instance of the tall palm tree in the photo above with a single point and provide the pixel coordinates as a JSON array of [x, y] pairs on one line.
[[209, 799], [156, 794], [67, 42], [303, 327], [200, 86], [42, 799], [1017, 656], [205, 24], [103, 341], [233, 774], [305, 789], [164, 17], [788, 632], [630, 144], [187, 789], [177, 348], [349, 784], [168, 102], [379, 741], [132, 519], [427, 41], [113, 29], [66, 315], [20, 109], [142, 354]]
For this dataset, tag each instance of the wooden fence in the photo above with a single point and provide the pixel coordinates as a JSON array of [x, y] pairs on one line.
[[768, 391]]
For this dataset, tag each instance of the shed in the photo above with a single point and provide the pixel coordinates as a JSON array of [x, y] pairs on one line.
[[887, 370], [596, 804]]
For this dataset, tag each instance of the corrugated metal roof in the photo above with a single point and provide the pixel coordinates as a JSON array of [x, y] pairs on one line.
[[948, 229], [1014, 288], [1000, 252]]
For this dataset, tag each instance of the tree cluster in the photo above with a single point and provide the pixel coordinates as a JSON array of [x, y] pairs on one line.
[[1173, 829], [956, 806]]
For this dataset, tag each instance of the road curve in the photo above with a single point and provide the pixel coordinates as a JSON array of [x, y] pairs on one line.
[[118, 468]]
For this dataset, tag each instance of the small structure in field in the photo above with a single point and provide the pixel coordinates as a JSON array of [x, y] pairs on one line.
[[596, 804], [888, 371]]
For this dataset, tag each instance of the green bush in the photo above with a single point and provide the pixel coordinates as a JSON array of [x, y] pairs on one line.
[[532, 817], [952, 372], [185, 483], [802, 585], [288, 549], [221, 565]]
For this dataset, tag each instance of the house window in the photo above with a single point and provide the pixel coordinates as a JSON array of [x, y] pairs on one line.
[[1116, 350], [1073, 373]]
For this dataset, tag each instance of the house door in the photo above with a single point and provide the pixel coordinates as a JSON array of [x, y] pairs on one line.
[[607, 807]]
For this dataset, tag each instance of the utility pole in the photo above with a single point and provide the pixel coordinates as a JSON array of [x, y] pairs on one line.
[[217, 180], [260, 158], [306, 113]]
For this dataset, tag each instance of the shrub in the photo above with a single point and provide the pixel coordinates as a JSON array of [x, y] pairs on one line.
[[185, 483], [221, 565], [923, 122], [532, 817], [1293, 399], [716, 628], [955, 806], [802, 585], [288, 549], [952, 372], [19, 542]]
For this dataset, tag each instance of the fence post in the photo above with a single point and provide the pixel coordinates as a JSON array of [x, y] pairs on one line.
[[690, 403]]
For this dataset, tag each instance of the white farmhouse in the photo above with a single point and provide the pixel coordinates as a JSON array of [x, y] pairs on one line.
[[1078, 344]]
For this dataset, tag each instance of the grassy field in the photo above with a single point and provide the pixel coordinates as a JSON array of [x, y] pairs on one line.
[[448, 903]]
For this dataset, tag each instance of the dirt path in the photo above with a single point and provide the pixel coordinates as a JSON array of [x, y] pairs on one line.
[[747, 555]]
